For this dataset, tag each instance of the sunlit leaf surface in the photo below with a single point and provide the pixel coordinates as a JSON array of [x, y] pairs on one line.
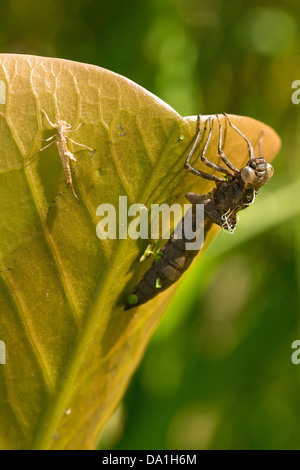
[[71, 347]]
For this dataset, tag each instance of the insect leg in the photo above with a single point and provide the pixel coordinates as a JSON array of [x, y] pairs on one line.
[[205, 160], [221, 152], [74, 130], [46, 116], [192, 151], [47, 140], [251, 151], [206, 176], [80, 145], [193, 170], [40, 150]]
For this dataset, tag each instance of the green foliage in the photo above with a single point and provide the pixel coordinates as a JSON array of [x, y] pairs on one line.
[[58, 286], [204, 57], [60, 301], [71, 305]]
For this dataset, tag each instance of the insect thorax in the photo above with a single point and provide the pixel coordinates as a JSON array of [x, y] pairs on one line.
[[231, 194], [229, 198]]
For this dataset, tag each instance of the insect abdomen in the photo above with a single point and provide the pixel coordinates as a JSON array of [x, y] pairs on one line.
[[165, 271]]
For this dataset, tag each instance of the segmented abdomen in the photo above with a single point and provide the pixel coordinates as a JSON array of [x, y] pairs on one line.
[[168, 269]]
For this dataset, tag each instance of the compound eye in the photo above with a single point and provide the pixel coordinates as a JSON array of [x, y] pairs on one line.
[[270, 171], [248, 175]]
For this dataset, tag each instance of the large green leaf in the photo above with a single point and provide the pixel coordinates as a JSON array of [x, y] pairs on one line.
[[71, 347]]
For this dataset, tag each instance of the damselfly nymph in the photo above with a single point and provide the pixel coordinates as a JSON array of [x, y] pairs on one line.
[[61, 139], [235, 189]]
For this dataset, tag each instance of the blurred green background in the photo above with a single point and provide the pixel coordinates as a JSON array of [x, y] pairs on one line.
[[218, 372]]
